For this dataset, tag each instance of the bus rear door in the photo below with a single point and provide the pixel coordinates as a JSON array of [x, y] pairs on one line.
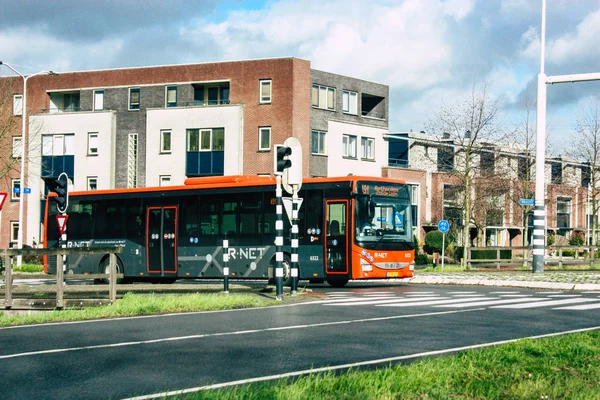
[[161, 241], [336, 241]]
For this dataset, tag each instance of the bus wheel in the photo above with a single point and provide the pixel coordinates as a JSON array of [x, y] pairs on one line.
[[105, 267], [337, 282], [287, 269]]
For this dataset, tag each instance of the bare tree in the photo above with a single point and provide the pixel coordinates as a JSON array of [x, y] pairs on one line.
[[8, 125], [586, 148], [470, 126]]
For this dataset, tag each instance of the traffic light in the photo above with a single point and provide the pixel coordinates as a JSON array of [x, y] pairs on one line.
[[282, 158], [60, 186]]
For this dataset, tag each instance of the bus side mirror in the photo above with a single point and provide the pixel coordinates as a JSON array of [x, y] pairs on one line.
[[370, 208]]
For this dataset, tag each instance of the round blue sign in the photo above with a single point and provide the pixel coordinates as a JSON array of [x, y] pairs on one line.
[[443, 226]]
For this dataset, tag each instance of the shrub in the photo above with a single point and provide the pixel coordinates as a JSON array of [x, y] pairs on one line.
[[577, 239], [433, 242], [550, 239], [421, 259], [489, 254]]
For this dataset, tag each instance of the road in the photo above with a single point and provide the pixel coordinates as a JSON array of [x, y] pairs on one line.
[[361, 325]]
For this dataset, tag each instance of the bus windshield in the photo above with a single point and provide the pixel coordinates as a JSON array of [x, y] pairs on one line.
[[383, 219]]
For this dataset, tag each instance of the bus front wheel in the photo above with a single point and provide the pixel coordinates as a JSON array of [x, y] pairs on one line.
[[337, 282], [104, 267]]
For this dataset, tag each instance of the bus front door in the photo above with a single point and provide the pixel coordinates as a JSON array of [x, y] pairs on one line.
[[161, 241], [336, 241]]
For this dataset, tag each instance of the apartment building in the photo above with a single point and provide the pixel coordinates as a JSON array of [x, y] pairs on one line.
[[506, 176], [154, 126]]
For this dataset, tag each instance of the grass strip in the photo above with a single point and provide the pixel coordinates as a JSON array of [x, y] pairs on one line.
[[143, 304], [565, 367]]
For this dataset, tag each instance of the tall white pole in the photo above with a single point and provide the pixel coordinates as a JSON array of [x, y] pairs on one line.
[[539, 213]]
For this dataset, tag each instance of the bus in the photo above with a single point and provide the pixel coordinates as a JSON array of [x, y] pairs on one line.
[[349, 228]]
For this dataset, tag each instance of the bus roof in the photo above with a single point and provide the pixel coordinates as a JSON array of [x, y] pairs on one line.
[[215, 182]]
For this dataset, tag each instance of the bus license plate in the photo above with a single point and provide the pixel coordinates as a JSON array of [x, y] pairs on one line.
[[391, 274]]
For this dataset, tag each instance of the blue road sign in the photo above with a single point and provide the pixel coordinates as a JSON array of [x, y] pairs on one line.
[[443, 226], [16, 190], [27, 190], [527, 202]]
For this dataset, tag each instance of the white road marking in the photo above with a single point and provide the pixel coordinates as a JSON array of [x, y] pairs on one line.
[[461, 292], [516, 295], [580, 307], [378, 301], [546, 303], [352, 365], [219, 334], [490, 302], [504, 292], [559, 292], [565, 295], [430, 302], [467, 295], [347, 300]]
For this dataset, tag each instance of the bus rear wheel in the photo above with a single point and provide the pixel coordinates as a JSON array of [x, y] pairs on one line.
[[104, 267], [337, 282]]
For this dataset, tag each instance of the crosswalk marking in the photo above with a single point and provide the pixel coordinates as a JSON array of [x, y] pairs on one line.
[[489, 302], [427, 302], [565, 295], [581, 307], [516, 295], [394, 300], [546, 303]]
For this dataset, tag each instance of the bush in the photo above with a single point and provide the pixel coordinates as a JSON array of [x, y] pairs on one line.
[[577, 239], [568, 253], [550, 239], [434, 240], [421, 259], [489, 254]]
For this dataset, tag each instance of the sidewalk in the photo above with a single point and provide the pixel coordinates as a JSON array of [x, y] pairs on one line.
[[558, 280]]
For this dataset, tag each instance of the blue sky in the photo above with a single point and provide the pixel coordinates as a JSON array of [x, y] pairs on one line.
[[429, 52]]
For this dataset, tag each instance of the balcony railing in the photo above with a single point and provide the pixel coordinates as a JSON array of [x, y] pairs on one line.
[[373, 114], [200, 103]]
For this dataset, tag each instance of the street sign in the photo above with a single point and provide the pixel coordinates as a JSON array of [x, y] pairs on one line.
[[27, 190], [443, 226], [2, 198], [61, 221], [287, 204], [527, 202], [16, 190]]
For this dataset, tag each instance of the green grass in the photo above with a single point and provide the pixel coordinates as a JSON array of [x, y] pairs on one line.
[[36, 268], [566, 367], [138, 304], [447, 268]]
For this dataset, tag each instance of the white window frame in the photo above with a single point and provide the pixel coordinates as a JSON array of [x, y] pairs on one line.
[[164, 180], [349, 146], [132, 160], [263, 98], [264, 130], [14, 183], [92, 150], [364, 147], [17, 147], [18, 104], [99, 100], [91, 179], [321, 142], [134, 106], [14, 231], [170, 88], [350, 102], [162, 141], [58, 145], [320, 98]]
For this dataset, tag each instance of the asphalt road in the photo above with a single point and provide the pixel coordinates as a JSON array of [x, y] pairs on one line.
[[361, 325]]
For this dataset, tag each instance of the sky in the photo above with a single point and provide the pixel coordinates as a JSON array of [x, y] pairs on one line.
[[429, 52]]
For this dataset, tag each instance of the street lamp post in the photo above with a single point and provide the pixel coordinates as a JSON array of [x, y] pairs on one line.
[[23, 139]]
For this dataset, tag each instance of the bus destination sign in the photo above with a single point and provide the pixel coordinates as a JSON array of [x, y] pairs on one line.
[[379, 190]]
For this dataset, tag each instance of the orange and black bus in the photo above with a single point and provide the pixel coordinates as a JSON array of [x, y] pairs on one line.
[[349, 228]]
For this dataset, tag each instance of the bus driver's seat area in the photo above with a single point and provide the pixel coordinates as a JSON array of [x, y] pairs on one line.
[[334, 228]]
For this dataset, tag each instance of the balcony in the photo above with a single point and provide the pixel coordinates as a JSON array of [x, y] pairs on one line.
[[209, 94], [64, 102], [372, 106]]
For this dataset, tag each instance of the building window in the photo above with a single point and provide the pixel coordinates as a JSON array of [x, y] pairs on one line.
[[98, 100], [524, 167], [14, 231], [58, 145], [92, 183], [205, 152], [323, 97], [164, 180], [445, 159], [349, 146], [556, 173], [367, 148], [206, 139], [317, 145], [134, 99], [132, 160], [350, 102], [452, 208], [487, 163], [15, 192], [171, 96], [92, 144], [18, 104], [563, 212], [398, 152], [265, 90], [264, 138], [494, 208], [17, 147], [165, 141]]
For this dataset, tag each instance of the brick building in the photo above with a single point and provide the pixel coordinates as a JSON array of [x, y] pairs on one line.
[[155, 126]]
